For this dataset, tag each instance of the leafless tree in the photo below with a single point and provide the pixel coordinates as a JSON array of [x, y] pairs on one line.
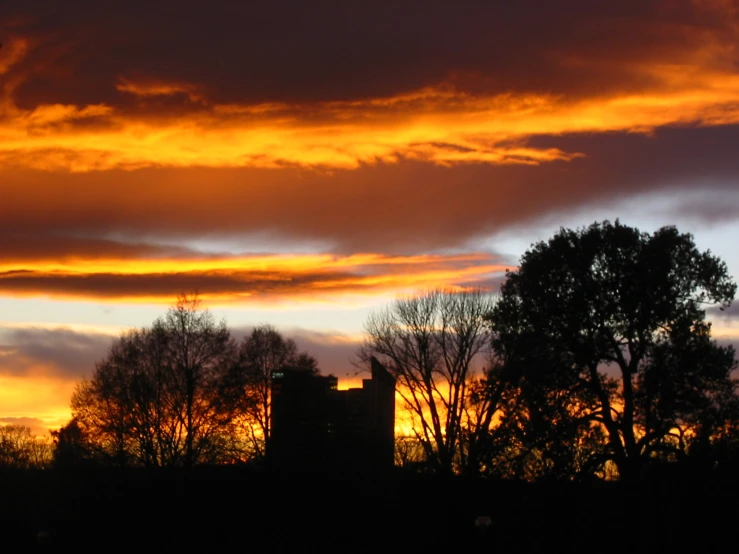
[[21, 449], [156, 399], [260, 353], [198, 353], [434, 343], [124, 407], [409, 453]]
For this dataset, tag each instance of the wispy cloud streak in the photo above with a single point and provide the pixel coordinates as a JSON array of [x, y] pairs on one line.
[[277, 278]]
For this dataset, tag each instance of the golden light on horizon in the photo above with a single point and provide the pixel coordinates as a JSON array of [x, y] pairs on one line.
[[45, 398]]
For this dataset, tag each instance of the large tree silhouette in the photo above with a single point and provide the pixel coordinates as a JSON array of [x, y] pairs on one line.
[[612, 320], [156, 399]]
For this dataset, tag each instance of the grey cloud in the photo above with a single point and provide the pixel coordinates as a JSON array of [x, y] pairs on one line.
[[334, 352], [19, 247], [64, 352], [727, 314], [73, 354]]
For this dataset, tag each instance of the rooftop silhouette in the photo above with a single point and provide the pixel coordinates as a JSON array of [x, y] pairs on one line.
[[316, 426]]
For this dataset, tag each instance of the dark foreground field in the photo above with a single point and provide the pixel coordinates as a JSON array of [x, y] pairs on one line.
[[225, 509]]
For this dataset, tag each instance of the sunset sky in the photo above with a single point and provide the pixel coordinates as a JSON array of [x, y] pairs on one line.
[[303, 163]]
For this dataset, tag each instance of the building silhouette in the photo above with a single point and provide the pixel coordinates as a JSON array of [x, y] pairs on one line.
[[315, 426]]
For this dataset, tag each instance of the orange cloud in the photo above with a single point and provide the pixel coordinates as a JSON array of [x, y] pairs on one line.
[[438, 124], [261, 279], [145, 89]]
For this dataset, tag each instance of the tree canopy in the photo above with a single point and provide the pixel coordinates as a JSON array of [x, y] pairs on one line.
[[249, 381], [615, 319], [182, 392], [155, 399]]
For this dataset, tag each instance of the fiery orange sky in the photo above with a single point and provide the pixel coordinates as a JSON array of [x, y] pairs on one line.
[[302, 164]]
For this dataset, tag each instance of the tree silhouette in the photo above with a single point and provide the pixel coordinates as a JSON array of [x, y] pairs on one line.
[[613, 319], [71, 446], [248, 383], [124, 409], [430, 343], [156, 399], [685, 388], [20, 449], [199, 352]]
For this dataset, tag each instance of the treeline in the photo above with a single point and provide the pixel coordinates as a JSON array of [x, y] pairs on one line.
[[20, 448], [178, 394], [598, 362], [595, 360]]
